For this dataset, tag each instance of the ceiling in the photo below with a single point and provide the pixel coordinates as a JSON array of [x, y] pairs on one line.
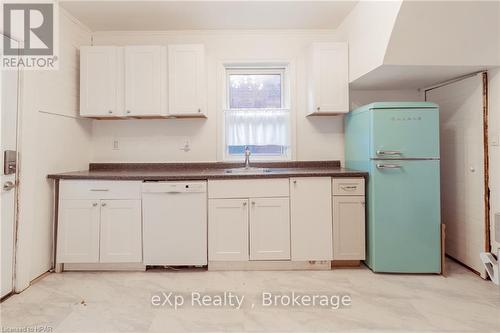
[[213, 15]]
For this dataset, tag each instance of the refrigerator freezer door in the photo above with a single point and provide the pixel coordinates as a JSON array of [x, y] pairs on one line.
[[403, 229], [405, 133]]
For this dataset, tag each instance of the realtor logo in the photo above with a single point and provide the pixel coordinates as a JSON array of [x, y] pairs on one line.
[[32, 30], [34, 22]]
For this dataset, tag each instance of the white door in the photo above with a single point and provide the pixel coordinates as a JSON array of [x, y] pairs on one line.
[[78, 231], [269, 229], [186, 79], [348, 227], [100, 75], [228, 229], [463, 191], [8, 128], [330, 78], [145, 81], [121, 231], [311, 218]]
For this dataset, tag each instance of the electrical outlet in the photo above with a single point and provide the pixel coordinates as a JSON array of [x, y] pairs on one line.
[[116, 144], [186, 147], [495, 139]]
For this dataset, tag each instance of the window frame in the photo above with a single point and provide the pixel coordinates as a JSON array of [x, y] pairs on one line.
[[283, 69]]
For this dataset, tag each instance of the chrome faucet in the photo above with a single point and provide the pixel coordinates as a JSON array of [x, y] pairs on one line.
[[247, 157]]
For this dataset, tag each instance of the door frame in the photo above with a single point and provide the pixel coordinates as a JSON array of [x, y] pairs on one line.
[[17, 175], [486, 194]]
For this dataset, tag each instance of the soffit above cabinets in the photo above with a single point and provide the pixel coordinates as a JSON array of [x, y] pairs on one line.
[[207, 15]]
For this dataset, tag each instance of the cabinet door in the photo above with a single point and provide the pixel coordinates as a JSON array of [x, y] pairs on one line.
[[187, 82], [145, 81], [121, 231], [329, 78], [311, 218], [78, 231], [99, 76], [348, 228], [269, 229], [228, 229]]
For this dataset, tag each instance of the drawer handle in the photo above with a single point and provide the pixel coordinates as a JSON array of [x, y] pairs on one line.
[[389, 166], [99, 189], [388, 152], [349, 187]]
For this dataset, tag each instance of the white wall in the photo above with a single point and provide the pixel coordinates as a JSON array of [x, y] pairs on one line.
[[368, 29], [494, 151], [49, 143], [160, 140]]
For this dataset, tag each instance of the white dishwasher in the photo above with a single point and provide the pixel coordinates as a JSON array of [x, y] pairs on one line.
[[174, 216]]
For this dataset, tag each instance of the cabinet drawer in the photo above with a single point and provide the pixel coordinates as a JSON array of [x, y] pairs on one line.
[[99, 189], [248, 188], [348, 186]]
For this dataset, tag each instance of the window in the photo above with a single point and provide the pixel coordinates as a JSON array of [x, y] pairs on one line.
[[257, 113]]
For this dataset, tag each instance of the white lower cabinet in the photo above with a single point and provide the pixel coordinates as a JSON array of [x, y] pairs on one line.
[[311, 218], [228, 229], [99, 222], [78, 232], [269, 229], [120, 236], [348, 227], [248, 229]]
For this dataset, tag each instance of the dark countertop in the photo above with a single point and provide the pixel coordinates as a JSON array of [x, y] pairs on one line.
[[204, 171]]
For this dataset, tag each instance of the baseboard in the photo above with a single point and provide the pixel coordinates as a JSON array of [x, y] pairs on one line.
[[268, 265], [345, 263], [105, 267]]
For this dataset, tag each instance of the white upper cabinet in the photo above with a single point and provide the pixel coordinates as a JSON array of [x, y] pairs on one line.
[[145, 86], [100, 72], [187, 80], [328, 79]]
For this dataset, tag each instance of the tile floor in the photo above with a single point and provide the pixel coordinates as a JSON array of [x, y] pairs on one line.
[[121, 302]]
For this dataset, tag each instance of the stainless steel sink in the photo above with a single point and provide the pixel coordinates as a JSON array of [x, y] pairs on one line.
[[248, 170]]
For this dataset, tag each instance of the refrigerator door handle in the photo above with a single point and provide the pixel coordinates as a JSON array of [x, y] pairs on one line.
[[389, 166], [388, 152]]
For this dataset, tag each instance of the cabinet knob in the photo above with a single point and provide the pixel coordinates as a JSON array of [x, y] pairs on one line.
[[128, 111], [94, 204], [103, 204], [199, 110], [253, 203], [295, 182], [244, 203], [318, 108], [110, 111]]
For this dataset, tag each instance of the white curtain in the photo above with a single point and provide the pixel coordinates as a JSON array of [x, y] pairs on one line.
[[257, 127]]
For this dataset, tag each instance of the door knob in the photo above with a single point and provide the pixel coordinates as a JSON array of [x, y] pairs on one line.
[[8, 185]]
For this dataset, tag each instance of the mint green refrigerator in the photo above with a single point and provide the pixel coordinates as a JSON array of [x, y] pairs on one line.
[[397, 143]]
